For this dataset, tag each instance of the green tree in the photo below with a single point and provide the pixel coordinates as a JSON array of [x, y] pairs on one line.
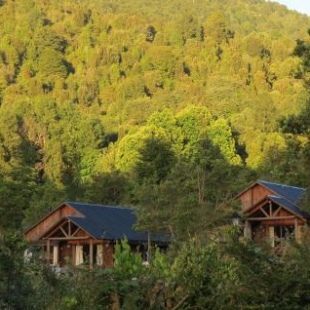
[[106, 188], [127, 155], [221, 135], [15, 288], [155, 161], [216, 28], [52, 65], [191, 29], [299, 124]]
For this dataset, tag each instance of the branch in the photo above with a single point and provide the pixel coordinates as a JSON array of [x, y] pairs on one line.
[[180, 303]]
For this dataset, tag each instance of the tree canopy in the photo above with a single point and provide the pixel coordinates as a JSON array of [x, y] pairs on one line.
[[141, 98]]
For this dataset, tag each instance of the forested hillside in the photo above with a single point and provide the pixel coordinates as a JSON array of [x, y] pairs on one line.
[[169, 106]]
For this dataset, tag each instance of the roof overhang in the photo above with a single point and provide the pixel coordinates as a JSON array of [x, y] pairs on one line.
[[46, 216], [58, 224], [277, 200]]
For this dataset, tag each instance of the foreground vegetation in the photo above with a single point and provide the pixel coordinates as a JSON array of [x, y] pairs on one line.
[[192, 275]]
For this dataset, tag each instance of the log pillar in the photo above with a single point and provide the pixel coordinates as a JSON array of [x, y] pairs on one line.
[[102, 254], [99, 254], [48, 251], [297, 232], [272, 236], [91, 253], [55, 254], [73, 254], [247, 230]]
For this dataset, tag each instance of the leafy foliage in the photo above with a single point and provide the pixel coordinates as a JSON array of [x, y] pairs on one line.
[[195, 274], [169, 107]]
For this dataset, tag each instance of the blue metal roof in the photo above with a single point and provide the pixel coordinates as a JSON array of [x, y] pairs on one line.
[[287, 204], [291, 193], [111, 223]]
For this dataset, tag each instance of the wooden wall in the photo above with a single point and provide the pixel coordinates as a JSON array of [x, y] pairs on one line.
[[253, 195], [35, 232], [108, 252]]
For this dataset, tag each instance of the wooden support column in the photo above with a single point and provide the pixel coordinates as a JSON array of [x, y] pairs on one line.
[[91, 253], [247, 230], [48, 251], [78, 254], [270, 209], [99, 254], [55, 254], [271, 236], [103, 249], [149, 249], [296, 231], [73, 254]]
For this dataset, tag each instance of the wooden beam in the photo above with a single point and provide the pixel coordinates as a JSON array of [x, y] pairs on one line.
[[271, 218], [73, 255], [296, 230], [277, 211], [48, 250], [82, 241], [52, 232], [247, 230], [78, 229], [91, 253], [271, 236], [63, 231], [267, 215], [270, 209], [55, 254], [149, 250], [68, 238], [102, 254]]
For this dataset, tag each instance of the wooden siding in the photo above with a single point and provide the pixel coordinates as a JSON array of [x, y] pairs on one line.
[[65, 254], [253, 195], [34, 233], [108, 254]]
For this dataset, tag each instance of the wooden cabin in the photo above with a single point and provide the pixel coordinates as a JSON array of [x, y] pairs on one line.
[[83, 234], [272, 212]]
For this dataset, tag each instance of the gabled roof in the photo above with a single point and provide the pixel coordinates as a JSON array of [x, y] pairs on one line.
[[291, 193], [279, 201], [288, 205], [285, 195], [110, 223]]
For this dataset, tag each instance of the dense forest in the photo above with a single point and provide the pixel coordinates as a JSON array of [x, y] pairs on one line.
[[170, 107], [118, 103]]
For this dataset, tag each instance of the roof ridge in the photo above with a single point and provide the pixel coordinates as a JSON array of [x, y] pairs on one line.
[[97, 205], [104, 231], [277, 196], [291, 207], [280, 184]]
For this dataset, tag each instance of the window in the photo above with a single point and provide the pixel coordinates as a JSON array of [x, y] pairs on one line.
[[283, 232]]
